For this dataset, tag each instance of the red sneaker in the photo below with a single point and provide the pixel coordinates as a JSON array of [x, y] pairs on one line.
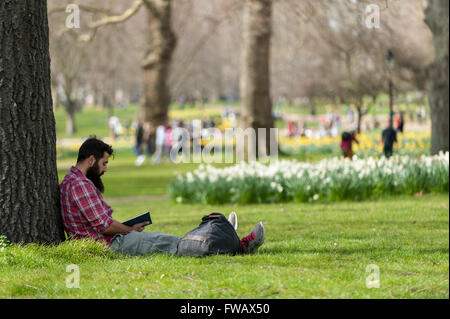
[[254, 240]]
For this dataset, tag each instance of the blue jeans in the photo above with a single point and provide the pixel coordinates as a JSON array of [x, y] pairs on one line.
[[142, 243], [137, 149]]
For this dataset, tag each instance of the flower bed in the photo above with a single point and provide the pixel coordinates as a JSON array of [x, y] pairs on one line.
[[328, 180], [409, 143]]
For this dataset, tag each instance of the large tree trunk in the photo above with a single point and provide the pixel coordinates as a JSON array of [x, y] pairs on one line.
[[156, 64], [438, 21], [29, 194], [255, 69]]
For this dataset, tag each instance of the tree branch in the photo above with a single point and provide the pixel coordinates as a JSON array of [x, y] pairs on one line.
[[119, 18], [82, 7], [107, 19], [227, 9]]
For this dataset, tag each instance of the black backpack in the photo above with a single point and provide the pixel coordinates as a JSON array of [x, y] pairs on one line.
[[214, 235]]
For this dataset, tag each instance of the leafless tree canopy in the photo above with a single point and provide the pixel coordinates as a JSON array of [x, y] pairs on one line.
[[319, 48]]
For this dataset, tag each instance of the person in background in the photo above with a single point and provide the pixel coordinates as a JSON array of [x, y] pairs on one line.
[[169, 140], [423, 113], [137, 149], [149, 135], [160, 141], [178, 135], [291, 129], [127, 127], [336, 124], [399, 122], [347, 140], [301, 132], [208, 122], [375, 122], [115, 128], [143, 142], [388, 138]]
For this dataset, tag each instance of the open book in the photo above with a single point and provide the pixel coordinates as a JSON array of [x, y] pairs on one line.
[[145, 217]]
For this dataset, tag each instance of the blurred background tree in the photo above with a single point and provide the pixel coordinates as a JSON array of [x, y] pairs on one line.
[[182, 51], [437, 20]]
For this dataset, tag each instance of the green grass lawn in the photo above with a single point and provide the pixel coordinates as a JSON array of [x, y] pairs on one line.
[[311, 250], [94, 121]]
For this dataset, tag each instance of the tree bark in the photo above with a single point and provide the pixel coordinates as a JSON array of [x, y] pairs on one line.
[[29, 193], [156, 64], [436, 16], [255, 68]]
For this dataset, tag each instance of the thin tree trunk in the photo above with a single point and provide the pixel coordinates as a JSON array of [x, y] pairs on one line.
[[108, 103], [70, 123], [156, 64], [312, 106], [70, 107], [29, 193], [360, 116], [438, 21], [255, 69]]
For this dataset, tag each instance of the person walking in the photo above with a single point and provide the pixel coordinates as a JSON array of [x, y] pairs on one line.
[[169, 140], [138, 146], [399, 122], [388, 138], [159, 143]]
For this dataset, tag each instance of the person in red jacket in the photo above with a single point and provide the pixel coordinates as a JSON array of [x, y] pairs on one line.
[[346, 143]]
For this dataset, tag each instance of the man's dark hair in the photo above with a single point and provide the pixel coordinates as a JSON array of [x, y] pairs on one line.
[[93, 146]]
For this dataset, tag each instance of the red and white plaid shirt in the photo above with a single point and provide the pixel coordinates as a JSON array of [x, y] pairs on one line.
[[85, 213]]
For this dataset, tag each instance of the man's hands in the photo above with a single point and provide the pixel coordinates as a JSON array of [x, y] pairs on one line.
[[139, 227], [119, 228]]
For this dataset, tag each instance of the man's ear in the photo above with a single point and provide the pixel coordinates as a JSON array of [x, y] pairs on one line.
[[91, 160]]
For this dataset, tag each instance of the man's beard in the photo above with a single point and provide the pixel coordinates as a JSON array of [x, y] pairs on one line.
[[95, 177]]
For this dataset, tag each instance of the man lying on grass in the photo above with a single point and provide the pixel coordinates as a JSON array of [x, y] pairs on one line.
[[86, 214]]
